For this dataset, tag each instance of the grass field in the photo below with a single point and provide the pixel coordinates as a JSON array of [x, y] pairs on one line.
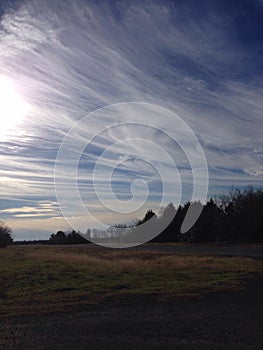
[[43, 278]]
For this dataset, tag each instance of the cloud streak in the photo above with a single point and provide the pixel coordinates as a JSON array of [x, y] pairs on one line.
[[68, 59]]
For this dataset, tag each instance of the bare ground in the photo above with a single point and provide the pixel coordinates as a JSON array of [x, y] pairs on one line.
[[219, 320]]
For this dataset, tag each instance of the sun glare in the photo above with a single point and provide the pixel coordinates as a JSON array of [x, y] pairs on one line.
[[12, 107]]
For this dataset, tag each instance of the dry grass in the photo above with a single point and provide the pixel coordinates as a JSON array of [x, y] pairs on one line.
[[43, 278]]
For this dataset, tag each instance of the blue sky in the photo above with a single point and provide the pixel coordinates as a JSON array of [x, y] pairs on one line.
[[201, 60]]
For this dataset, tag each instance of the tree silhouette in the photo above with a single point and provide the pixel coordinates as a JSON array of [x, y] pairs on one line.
[[236, 217], [243, 220], [148, 216], [70, 237], [5, 235]]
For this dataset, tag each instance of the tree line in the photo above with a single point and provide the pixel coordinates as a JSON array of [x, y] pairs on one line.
[[236, 217], [233, 218]]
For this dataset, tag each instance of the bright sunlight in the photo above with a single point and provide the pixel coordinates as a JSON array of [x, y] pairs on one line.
[[12, 107]]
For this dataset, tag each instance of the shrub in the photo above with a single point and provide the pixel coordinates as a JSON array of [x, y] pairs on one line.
[[5, 235]]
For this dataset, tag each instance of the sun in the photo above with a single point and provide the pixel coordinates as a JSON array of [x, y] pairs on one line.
[[12, 107]]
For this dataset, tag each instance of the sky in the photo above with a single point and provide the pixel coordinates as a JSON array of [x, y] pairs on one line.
[[110, 108]]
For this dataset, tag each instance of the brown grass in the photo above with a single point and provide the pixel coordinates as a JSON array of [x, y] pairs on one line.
[[42, 278]]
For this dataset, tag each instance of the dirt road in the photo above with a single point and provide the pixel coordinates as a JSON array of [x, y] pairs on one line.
[[245, 250], [252, 251]]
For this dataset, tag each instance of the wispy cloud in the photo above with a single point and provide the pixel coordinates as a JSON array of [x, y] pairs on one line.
[[68, 58], [49, 209]]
